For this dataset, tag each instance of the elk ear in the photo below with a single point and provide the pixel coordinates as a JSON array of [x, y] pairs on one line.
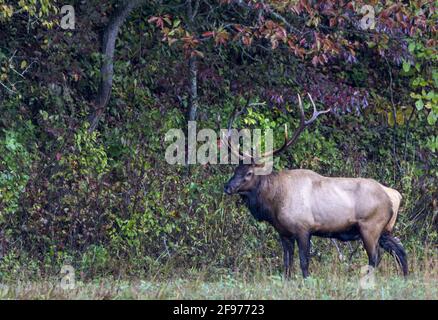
[[257, 164], [263, 168]]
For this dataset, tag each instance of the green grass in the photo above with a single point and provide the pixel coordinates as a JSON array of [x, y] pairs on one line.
[[269, 287], [328, 281], [333, 280]]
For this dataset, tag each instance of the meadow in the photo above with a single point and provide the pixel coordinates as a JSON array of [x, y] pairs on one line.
[[85, 109], [328, 281]]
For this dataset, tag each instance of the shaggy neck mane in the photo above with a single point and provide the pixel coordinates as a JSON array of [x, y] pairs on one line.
[[256, 199]]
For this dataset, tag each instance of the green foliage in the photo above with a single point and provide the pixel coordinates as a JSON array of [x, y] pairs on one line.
[[424, 79], [15, 163], [89, 158], [95, 260], [36, 9], [108, 203]]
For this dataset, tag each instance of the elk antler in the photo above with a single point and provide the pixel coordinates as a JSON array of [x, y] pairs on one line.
[[226, 139], [303, 124]]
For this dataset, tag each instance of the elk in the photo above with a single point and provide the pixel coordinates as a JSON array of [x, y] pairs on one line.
[[301, 203]]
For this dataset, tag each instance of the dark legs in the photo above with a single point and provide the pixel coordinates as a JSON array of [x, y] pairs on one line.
[[304, 250], [370, 243], [288, 255], [379, 255]]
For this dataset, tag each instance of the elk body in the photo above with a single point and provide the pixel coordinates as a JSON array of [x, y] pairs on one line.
[[300, 204]]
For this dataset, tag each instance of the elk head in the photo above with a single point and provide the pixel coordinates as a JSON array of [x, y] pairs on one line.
[[245, 178]]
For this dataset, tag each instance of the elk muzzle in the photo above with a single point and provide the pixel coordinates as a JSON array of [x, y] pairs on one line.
[[227, 189], [232, 186]]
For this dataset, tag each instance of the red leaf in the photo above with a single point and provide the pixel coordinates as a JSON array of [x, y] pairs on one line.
[[208, 34]]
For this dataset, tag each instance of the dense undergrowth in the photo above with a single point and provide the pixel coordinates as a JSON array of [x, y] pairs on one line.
[[110, 205], [340, 280], [107, 203]]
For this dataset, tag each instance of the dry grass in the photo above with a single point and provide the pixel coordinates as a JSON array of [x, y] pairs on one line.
[[271, 287], [334, 280]]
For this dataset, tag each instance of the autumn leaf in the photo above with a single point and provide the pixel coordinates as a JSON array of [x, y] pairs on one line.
[[208, 34]]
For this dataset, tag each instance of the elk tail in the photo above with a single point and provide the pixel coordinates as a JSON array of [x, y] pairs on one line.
[[393, 245]]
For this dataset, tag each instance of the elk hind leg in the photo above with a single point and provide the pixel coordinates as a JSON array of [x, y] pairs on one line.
[[370, 241], [288, 255], [304, 251]]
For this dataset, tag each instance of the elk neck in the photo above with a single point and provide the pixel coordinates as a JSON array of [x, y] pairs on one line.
[[258, 200]]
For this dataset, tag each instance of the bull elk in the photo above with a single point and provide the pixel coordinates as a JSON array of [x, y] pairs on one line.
[[301, 203]]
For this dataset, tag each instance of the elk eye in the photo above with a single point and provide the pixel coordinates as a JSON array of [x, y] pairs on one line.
[[249, 174]]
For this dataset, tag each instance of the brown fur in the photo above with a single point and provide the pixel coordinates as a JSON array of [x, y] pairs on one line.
[[396, 198], [302, 203]]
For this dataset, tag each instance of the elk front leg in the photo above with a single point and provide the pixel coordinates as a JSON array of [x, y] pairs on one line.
[[304, 250], [288, 254]]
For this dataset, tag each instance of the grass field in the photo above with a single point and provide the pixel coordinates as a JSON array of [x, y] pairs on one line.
[[230, 288], [328, 281]]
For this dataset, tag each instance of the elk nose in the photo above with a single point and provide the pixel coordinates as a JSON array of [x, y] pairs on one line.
[[227, 189]]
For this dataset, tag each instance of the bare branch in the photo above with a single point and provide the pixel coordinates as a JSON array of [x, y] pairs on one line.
[[7, 88]]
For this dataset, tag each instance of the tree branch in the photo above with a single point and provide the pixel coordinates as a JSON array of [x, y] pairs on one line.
[[271, 12], [107, 68]]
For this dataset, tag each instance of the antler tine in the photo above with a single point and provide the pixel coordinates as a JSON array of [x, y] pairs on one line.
[[226, 143], [238, 153], [316, 113], [303, 124], [302, 116]]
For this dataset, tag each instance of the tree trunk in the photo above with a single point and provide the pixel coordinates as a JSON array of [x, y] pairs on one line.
[[193, 65], [193, 93], [107, 68]]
